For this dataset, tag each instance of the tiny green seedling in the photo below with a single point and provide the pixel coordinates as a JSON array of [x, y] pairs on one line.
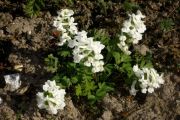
[[166, 24]]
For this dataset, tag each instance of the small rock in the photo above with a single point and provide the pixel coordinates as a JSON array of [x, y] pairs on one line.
[[107, 115], [142, 49]]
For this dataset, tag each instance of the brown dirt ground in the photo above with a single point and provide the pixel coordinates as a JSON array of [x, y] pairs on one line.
[[26, 41]]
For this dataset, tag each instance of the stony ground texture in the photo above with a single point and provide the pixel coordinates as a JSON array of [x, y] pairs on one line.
[[27, 41]]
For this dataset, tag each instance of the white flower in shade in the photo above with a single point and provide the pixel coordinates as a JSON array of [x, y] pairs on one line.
[[52, 97], [1, 100], [131, 32], [77, 58], [89, 61], [133, 90], [148, 79], [124, 48], [13, 81]]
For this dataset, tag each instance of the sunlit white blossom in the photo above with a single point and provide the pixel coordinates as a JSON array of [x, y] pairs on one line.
[[87, 51], [148, 79], [64, 23], [97, 66], [132, 30], [52, 97]]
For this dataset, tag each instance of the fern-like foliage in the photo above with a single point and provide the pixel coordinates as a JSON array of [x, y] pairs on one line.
[[33, 7], [166, 24], [130, 6]]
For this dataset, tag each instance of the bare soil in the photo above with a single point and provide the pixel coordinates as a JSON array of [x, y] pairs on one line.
[[27, 41]]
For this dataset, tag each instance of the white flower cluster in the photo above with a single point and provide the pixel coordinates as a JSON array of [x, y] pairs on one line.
[[88, 51], [84, 48], [131, 32], [13, 81], [149, 79], [52, 98], [64, 22]]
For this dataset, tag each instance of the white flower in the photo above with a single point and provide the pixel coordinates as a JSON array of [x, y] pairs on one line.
[[133, 91], [78, 58], [124, 48], [66, 13], [122, 38], [65, 23], [126, 26], [89, 62], [50, 86], [97, 66], [1, 100], [52, 98], [98, 56], [65, 37], [148, 79], [13, 80], [150, 89], [131, 32], [87, 51]]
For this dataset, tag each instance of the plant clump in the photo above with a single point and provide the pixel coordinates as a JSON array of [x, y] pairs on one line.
[[148, 80], [52, 97], [131, 32]]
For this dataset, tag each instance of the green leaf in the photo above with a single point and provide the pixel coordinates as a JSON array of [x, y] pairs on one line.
[[126, 68], [103, 89], [142, 64], [52, 63], [33, 7], [125, 58], [74, 79], [91, 97], [89, 86], [66, 81], [130, 6], [108, 68], [64, 53], [78, 90], [102, 36], [166, 24], [117, 57]]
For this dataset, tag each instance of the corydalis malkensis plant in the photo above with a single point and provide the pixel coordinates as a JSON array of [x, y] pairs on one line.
[[64, 23], [131, 32], [88, 51], [52, 97], [148, 80], [84, 48]]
